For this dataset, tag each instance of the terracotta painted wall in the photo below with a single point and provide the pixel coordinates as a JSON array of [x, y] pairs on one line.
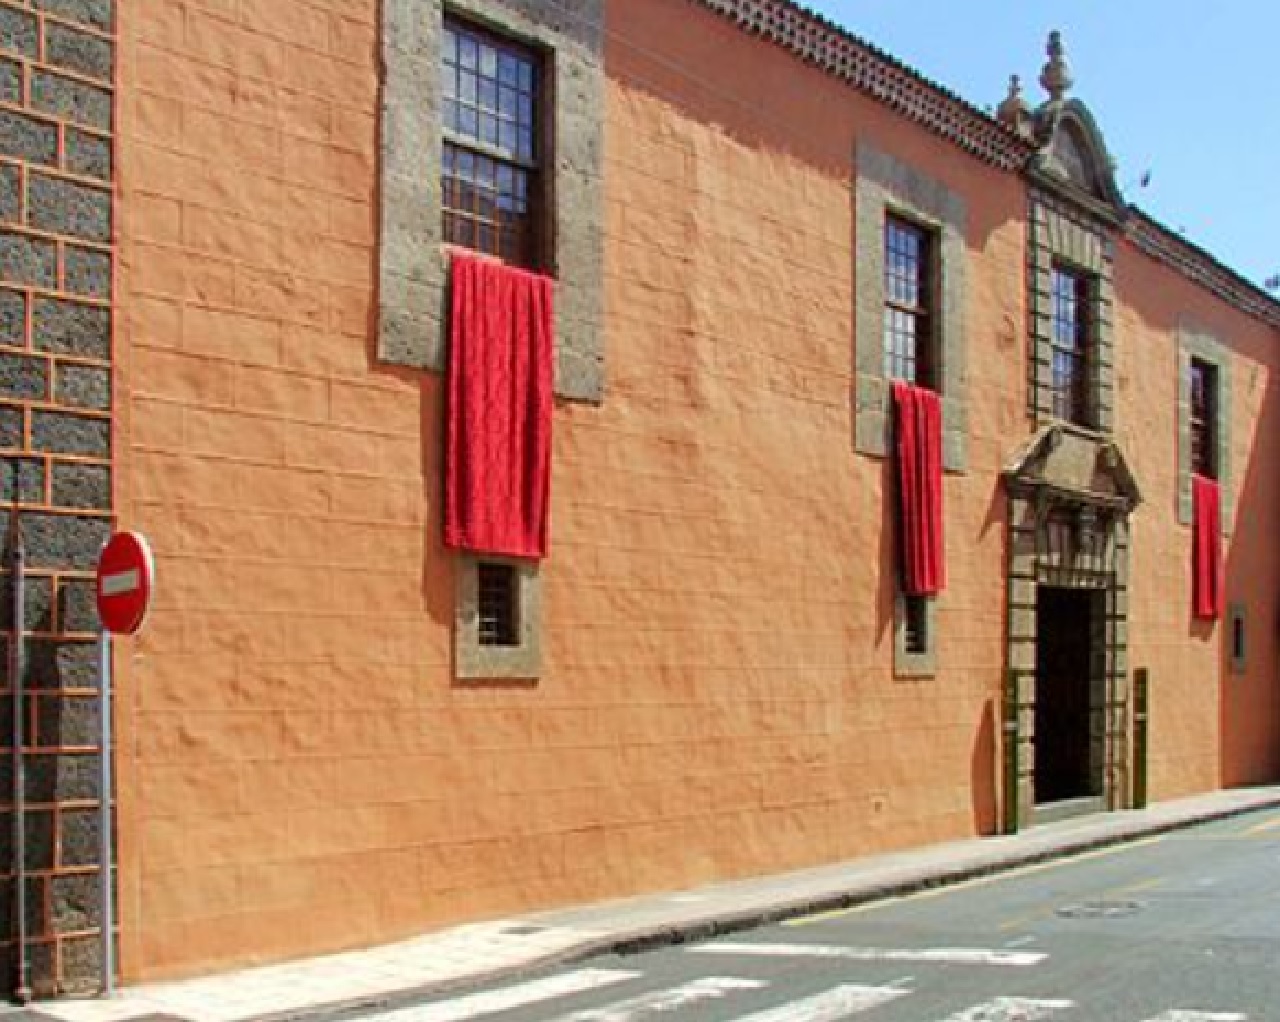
[[298, 770], [1209, 727]]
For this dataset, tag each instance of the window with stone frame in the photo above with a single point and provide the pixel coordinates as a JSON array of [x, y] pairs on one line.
[[1072, 345], [491, 127], [1071, 307], [498, 618], [911, 275], [910, 303], [491, 155], [1204, 418]]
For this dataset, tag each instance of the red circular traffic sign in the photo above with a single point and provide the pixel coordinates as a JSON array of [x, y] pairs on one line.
[[125, 574]]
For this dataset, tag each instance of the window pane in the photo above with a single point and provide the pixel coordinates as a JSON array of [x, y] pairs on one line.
[[508, 69], [468, 51]]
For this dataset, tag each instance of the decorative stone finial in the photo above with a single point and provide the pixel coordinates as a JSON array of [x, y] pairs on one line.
[[1014, 111], [1056, 76]]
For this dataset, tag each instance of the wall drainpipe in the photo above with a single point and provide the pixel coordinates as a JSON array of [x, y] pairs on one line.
[[17, 658]]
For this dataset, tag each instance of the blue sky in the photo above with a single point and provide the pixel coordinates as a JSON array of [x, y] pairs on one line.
[[1186, 89]]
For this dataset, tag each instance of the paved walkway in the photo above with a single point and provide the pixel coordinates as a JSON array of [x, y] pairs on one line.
[[505, 947]]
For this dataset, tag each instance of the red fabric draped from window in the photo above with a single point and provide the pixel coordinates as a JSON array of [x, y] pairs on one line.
[[919, 457], [498, 435], [1206, 537]]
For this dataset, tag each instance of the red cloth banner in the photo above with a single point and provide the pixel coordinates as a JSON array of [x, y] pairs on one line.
[[919, 456], [498, 435], [1207, 588]]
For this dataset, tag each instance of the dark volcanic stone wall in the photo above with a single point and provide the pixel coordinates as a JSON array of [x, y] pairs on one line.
[[57, 232]]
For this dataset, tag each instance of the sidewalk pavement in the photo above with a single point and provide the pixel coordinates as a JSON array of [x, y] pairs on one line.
[[489, 951]]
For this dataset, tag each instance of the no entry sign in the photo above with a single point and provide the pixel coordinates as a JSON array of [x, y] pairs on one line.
[[125, 574]]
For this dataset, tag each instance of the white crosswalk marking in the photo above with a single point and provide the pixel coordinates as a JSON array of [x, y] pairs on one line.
[[1200, 1016], [459, 1009], [830, 1006], [708, 988], [1010, 1009], [948, 955]]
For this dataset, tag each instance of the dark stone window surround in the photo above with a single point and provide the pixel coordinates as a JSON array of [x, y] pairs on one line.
[[906, 663], [412, 263], [476, 661], [887, 186], [1197, 342], [1062, 235]]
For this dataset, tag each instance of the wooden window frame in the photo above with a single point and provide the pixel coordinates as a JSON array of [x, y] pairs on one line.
[[530, 250], [1072, 398], [1203, 417], [920, 365]]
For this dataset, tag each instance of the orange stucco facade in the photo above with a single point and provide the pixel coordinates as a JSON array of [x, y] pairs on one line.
[[300, 771]]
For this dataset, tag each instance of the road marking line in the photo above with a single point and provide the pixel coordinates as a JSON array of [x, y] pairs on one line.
[[459, 1009], [830, 1006], [1258, 828], [1200, 1016], [950, 955], [708, 988], [1009, 1009], [961, 885]]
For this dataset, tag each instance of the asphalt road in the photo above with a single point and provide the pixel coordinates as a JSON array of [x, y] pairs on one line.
[[1179, 928]]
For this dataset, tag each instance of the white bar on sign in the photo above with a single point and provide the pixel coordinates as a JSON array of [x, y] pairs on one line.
[[121, 582], [490, 1002], [708, 988], [830, 1006], [1010, 1009], [947, 955], [1200, 1016]]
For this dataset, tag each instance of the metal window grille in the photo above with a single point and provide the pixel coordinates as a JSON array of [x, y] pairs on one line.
[[908, 303], [498, 605], [491, 93], [1204, 418], [1072, 345], [915, 624]]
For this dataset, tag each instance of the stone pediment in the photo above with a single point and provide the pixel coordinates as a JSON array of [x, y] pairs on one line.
[[1068, 465], [1072, 153]]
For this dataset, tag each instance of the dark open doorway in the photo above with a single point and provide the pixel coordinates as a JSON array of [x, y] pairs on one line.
[[1064, 667]]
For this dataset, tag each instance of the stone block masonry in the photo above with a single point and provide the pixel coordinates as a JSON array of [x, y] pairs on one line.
[[57, 235]]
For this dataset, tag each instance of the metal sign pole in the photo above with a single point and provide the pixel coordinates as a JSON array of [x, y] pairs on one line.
[[107, 855], [17, 667]]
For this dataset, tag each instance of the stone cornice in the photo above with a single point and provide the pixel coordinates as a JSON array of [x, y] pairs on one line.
[[1154, 239]]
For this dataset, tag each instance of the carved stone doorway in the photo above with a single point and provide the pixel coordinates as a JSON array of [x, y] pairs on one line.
[[1070, 496]]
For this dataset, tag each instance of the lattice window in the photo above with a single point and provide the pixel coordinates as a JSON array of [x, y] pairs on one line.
[[498, 605], [1072, 344], [1204, 418], [908, 303], [491, 94], [916, 625]]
